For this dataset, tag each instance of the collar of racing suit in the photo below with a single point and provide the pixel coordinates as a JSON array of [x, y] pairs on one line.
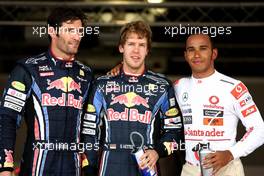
[[60, 58], [131, 78], [60, 63], [206, 79]]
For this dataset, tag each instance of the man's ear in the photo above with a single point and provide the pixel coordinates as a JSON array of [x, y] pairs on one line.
[[215, 53], [121, 49], [52, 32]]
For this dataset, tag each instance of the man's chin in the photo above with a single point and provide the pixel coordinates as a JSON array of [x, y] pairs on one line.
[[73, 51], [73, 48], [136, 67]]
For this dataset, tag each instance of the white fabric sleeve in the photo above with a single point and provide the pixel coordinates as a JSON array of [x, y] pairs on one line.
[[247, 111]]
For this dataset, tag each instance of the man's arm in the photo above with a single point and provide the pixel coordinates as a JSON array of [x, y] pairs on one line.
[[11, 109], [172, 127], [250, 116], [90, 129], [172, 130], [247, 111]]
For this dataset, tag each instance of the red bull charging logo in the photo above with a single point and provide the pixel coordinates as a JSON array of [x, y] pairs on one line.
[[66, 84], [130, 99]]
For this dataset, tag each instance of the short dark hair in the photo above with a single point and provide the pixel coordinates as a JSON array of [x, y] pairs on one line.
[[63, 14], [141, 28], [210, 39]]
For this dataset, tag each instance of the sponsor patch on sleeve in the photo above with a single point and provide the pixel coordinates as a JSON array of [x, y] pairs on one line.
[[18, 85], [172, 112], [12, 106], [89, 117], [245, 101], [89, 124], [172, 122], [88, 131], [249, 131], [14, 100], [239, 90], [90, 108], [16, 94], [81, 72], [172, 101], [249, 110]]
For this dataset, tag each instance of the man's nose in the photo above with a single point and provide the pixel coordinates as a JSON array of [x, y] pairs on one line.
[[196, 53], [77, 36], [136, 48]]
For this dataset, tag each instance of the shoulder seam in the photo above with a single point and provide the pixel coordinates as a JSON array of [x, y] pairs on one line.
[[158, 76], [85, 67], [225, 81]]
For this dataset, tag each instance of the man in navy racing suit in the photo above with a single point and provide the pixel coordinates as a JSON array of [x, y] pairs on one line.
[[133, 107], [49, 90]]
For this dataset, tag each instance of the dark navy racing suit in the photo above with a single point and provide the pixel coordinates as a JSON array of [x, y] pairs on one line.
[[50, 94], [124, 104]]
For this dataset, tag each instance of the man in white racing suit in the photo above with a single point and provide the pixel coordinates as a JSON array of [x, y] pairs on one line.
[[212, 104]]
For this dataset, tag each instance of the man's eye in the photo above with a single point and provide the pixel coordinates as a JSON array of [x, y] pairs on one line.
[[190, 50], [71, 30], [81, 30]]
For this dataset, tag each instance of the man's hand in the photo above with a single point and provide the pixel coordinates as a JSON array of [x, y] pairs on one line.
[[149, 159], [116, 70], [6, 173], [217, 160]]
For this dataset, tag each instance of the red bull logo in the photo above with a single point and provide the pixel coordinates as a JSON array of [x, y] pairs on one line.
[[66, 84], [48, 100], [130, 99], [129, 115]]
